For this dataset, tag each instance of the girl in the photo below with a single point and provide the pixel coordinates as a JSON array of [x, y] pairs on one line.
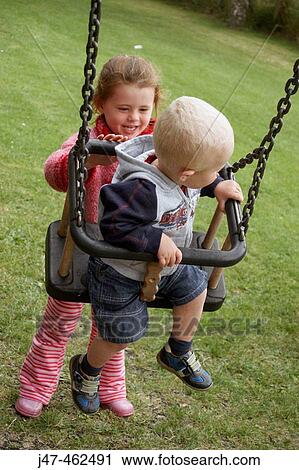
[[127, 91]]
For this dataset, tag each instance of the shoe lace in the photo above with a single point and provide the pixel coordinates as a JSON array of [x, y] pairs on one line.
[[192, 364], [88, 386]]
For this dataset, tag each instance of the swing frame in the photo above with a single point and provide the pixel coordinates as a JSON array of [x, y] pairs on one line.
[[195, 256]]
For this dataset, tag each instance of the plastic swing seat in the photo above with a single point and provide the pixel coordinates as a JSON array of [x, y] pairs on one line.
[[72, 288]]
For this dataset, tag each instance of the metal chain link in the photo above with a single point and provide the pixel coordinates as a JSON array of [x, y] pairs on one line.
[[262, 152], [80, 151]]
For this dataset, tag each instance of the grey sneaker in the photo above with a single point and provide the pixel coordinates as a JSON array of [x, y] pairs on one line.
[[85, 388]]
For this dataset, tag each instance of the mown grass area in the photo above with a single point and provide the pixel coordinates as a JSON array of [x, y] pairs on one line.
[[250, 345]]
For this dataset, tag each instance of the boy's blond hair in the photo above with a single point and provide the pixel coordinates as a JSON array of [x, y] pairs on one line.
[[192, 134]]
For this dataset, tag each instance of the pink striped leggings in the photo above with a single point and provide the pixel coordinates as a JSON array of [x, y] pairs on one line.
[[40, 372]]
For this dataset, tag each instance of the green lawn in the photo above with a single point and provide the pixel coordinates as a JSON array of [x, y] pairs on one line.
[[250, 345]]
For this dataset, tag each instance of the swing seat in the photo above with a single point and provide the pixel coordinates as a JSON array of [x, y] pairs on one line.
[[73, 287]]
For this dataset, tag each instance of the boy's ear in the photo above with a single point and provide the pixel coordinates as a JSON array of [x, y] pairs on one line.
[[185, 174]]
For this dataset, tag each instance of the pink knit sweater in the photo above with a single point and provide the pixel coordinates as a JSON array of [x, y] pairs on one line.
[[56, 169]]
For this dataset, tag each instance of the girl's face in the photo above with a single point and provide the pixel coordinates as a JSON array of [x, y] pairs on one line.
[[128, 110]]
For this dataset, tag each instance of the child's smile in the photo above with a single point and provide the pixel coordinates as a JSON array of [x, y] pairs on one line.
[[128, 110]]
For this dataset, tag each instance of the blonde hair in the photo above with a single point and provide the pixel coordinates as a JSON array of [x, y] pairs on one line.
[[192, 134], [128, 70]]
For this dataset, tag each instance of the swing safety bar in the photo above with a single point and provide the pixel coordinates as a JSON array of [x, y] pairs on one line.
[[194, 256]]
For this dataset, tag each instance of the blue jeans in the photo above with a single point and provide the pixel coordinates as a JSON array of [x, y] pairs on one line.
[[120, 315]]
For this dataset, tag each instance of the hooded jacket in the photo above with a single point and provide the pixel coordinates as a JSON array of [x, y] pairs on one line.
[[141, 204]]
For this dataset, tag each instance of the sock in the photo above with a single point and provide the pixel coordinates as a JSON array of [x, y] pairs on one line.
[[178, 347], [87, 369]]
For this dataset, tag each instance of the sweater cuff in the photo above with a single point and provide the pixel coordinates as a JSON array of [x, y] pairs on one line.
[[154, 240], [209, 190]]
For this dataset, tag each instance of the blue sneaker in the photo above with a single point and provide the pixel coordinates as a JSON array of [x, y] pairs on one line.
[[186, 367], [85, 389]]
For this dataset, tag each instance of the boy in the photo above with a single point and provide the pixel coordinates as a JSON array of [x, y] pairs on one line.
[[150, 207]]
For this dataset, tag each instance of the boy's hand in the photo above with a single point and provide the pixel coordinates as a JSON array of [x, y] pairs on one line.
[[168, 253], [228, 189]]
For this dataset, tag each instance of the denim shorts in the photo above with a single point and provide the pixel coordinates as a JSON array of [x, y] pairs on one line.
[[120, 315]]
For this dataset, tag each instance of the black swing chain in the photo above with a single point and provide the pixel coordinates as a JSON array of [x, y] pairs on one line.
[[80, 150], [262, 152]]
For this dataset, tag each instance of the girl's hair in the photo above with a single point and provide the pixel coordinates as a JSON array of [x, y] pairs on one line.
[[128, 70]]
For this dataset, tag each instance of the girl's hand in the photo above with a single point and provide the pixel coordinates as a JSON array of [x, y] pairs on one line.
[[104, 160], [228, 189], [113, 137], [95, 159], [168, 253]]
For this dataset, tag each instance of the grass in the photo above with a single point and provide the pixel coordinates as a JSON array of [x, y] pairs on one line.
[[250, 345]]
